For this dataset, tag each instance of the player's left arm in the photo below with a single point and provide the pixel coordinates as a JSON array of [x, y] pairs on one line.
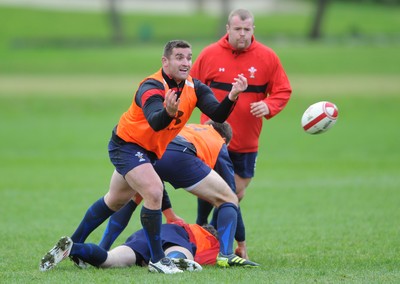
[[277, 95], [279, 92]]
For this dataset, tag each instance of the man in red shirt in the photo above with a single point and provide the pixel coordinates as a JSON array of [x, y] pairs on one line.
[[268, 91]]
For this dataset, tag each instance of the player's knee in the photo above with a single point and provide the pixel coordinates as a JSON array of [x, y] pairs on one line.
[[240, 195], [115, 202], [228, 197], [228, 204], [234, 199], [154, 195]]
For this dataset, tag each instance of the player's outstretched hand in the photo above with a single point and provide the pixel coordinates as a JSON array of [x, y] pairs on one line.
[[171, 103], [238, 86]]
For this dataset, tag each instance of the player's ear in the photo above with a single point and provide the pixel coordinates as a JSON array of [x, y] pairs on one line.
[[164, 61]]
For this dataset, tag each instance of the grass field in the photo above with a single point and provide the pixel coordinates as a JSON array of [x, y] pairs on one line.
[[321, 209]]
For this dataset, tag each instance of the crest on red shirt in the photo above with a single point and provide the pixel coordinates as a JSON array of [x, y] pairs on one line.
[[252, 71]]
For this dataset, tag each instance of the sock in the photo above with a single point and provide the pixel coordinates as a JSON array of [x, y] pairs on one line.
[[90, 253], [203, 210], [240, 235], [94, 217], [214, 218], [151, 221], [176, 254], [227, 220], [166, 202], [117, 223]]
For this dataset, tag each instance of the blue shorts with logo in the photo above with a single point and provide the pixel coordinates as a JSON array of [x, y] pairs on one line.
[[180, 166], [244, 164], [171, 235], [126, 156]]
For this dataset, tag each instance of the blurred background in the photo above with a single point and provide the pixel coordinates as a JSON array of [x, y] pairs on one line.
[[78, 26], [126, 37]]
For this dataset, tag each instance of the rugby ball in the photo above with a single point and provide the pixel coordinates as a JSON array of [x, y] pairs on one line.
[[319, 117]]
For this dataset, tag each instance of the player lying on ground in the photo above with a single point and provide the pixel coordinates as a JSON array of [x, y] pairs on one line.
[[188, 245]]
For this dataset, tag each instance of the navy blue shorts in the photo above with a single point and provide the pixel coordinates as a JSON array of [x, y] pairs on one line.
[[181, 167], [126, 156], [244, 164], [171, 235]]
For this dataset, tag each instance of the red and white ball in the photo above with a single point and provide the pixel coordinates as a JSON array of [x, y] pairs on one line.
[[319, 117]]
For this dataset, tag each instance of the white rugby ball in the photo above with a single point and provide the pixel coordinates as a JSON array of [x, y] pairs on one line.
[[319, 117]]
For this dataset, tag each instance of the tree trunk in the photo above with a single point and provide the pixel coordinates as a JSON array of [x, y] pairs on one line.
[[115, 21], [317, 24], [226, 9], [200, 6]]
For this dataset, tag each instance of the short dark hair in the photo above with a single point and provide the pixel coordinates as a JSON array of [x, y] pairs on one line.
[[224, 129], [210, 228], [242, 13], [175, 44]]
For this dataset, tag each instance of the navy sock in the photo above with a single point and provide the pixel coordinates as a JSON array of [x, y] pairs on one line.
[[117, 223], [240, 235], [151, 222], [214, 218], [176, 254], [227, 220], [203, 211], [94, 217], [90, 253]]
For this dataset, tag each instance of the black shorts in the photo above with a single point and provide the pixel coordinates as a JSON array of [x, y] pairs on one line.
[[244, 164]]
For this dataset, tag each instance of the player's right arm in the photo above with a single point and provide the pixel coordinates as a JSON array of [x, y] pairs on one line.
[[150, 97]]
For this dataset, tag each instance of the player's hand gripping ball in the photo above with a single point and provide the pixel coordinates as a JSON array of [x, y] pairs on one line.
[[319, 117]]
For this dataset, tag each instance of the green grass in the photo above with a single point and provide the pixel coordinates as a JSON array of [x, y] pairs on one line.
[[300, 58], [321, 208]]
